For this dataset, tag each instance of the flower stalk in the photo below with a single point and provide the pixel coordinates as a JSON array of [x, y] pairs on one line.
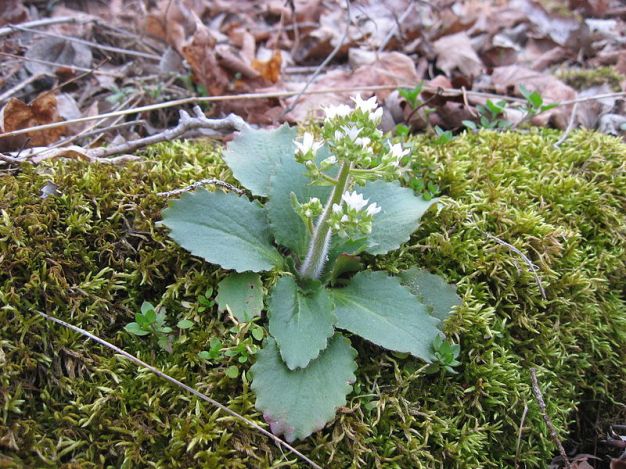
[[319, 244]]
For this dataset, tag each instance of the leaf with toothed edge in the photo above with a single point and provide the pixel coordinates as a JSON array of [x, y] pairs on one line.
[[399, 217], [223, 229], [439, 296], [301, 322], [299, 402], [378, 308], [255, 154]]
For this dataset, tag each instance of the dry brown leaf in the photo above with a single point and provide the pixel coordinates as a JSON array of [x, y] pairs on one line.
[[269, 69], [456, 52], [508, 79], [199, 52], [17, 115], [173, 21], [391, 68], [564, 31], [12, 12], [59, 51]]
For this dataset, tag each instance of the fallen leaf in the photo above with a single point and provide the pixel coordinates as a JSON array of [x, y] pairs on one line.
[[508, 79], [49, 189], [269, 69], [588, 113], [58, 51], [391, 68], [456, 52], [17, 115], [12, 12]]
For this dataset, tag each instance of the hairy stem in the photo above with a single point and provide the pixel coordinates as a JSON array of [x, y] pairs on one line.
[[320, 240]]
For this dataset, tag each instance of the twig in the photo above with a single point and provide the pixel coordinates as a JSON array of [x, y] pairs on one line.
[[189, 389], [200, 183], [570, 127], [591, 98], [23, 84], [88, 43], [326, 61], [185, 124], [519, 434], [11, 159], [528, 262], [234, 97], [43, 22], [546, 418], [207, 127], [396, 26], [60, 65]]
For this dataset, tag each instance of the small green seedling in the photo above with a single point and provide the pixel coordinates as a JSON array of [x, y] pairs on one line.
[[205, 302], [151, 321], [445, 356], [443, 136], [489, 117], [534, 103]]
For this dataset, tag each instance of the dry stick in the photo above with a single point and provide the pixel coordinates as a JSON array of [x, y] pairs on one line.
[[324, 63], [196, 393], [200, 183], [570, 127], [519, 434], [546, 418], [88, 43], [44, 22], [185, 124], [528, 262], [59, 65]]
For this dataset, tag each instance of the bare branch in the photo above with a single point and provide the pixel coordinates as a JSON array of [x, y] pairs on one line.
[[189, 389], [542, 407]]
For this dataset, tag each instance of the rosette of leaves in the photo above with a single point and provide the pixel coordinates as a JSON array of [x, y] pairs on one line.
[[305, 369]]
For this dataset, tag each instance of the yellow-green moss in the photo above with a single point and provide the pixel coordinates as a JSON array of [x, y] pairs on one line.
[[581, 79], [92, 255]]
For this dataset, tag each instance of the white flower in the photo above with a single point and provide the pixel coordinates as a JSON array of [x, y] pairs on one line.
[[344, 219], [337, 208], [377, 115], [352, 132], [368, 105], [398, 152], [331, 160], [308, 144], [363, 141], [373, 209], [341, 110], [354, 200]]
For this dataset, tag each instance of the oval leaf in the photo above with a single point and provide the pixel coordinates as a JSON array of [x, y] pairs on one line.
[[223, 229], [299, 402], [432, 290], [399, 217], [379, 309], [242, 294], [254, 155], [301, 322]]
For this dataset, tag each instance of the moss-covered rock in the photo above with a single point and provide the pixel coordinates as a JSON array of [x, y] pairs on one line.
[[92, 255]]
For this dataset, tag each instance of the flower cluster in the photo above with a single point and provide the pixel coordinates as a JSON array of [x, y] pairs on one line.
[[352, 218]]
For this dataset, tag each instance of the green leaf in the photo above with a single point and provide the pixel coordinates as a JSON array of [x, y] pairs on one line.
[[254, 155], [399, 217], [135, 329], [232, 371], [184, 324], [242, 294], [223, 229], [299, 402], [145, 307], [432, 290], [286, 225], [300, 322], [379, 309]]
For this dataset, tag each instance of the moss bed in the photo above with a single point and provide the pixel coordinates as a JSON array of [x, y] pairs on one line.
[[92, 255]]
